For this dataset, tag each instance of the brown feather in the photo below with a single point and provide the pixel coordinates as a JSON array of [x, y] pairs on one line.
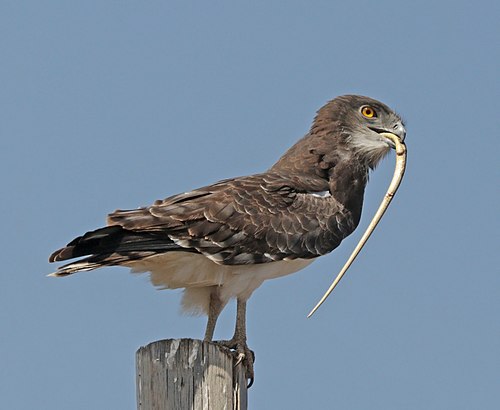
[[260, 218]]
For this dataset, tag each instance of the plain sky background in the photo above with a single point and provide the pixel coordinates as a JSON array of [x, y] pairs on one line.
[[113, 104]]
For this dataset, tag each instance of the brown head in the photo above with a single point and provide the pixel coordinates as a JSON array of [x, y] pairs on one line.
[[348, 127]]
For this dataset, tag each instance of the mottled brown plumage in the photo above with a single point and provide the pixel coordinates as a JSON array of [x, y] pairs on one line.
[[236, 230]]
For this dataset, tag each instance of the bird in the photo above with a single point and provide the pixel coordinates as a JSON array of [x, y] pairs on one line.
[[222, 241]]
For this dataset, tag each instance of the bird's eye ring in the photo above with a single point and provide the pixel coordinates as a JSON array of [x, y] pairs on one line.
[[368, 112]]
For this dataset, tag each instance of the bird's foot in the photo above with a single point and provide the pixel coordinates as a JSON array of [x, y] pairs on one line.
[[242, 354]]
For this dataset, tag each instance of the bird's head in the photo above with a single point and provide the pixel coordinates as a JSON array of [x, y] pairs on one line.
[[360, 123]]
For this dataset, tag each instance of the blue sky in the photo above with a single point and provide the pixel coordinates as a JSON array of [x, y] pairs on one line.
[[110, 104]]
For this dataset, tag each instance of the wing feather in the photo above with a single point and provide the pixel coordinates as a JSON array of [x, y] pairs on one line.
[[259, 218]]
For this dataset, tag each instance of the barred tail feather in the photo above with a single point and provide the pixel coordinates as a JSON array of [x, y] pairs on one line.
[[110, 246], [80, 266]]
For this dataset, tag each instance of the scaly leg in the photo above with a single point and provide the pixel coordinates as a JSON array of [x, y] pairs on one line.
[[216, 306], [239, 341]]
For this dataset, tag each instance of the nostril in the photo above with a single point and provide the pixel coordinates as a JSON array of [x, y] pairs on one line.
[[399, 130]]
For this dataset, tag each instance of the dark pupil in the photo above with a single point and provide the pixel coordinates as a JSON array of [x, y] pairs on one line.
[[368, 112]]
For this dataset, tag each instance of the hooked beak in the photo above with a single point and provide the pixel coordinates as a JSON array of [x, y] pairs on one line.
[[398, 132]]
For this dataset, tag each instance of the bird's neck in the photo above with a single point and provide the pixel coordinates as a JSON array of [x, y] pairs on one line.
[[328, 159], [347, 185]]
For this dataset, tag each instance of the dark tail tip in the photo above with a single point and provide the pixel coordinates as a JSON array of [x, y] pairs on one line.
[[62, 254]]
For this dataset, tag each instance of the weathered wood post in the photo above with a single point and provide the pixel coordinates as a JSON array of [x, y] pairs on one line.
[[187, 374]]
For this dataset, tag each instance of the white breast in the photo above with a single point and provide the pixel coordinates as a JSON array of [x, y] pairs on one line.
[[197, 274]]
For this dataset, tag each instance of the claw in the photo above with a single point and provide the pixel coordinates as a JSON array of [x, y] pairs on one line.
[[239, 359], [250, 382], [243, 355]]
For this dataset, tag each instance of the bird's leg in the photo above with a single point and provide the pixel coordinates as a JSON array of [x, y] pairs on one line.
[[216, 306], [239, 341]]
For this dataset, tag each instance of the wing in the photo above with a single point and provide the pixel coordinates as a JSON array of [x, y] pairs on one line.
[[255, 219]]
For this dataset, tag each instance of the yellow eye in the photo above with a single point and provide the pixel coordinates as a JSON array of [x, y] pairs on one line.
[[368, 112]]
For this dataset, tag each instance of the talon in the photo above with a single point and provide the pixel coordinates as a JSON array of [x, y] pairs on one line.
[[242, 355], [239, 359]]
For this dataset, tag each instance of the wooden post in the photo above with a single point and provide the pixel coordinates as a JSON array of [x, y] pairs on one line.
[[187, 374]]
